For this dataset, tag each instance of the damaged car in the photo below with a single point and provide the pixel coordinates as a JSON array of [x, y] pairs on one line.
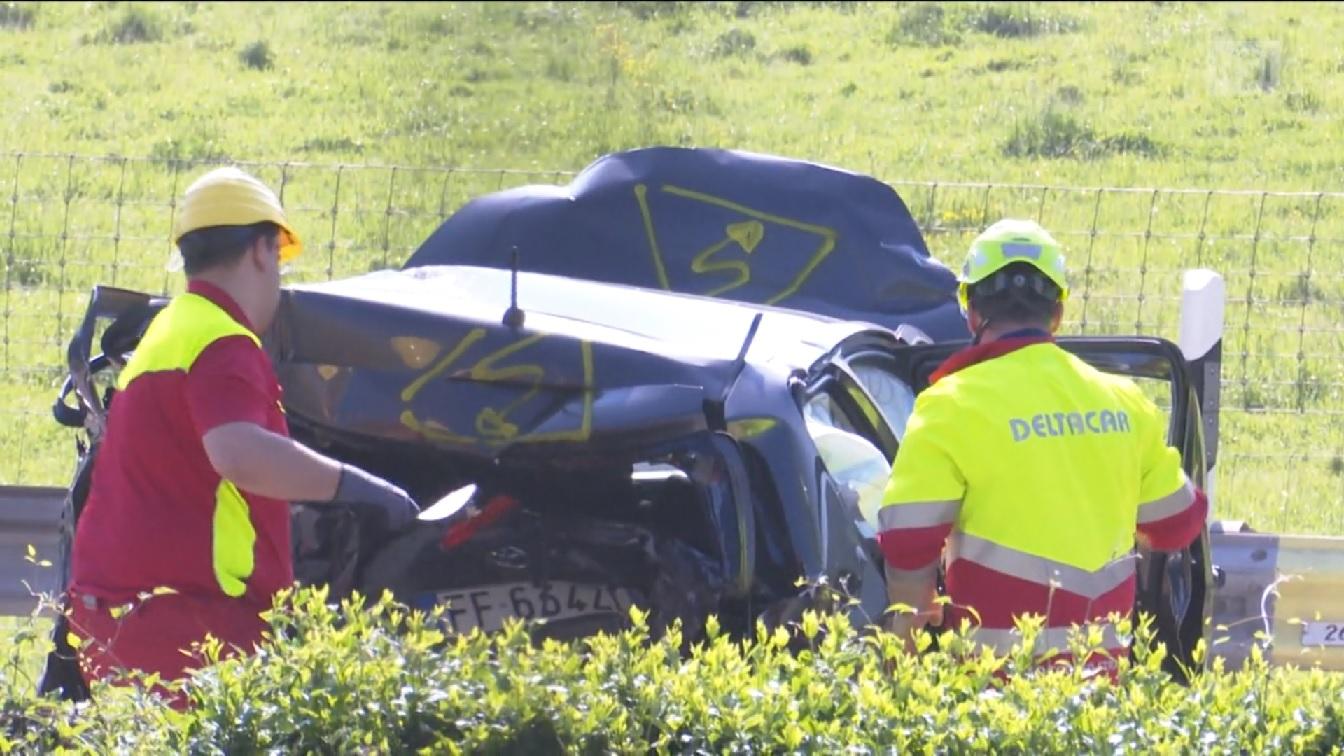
[[676, 383]]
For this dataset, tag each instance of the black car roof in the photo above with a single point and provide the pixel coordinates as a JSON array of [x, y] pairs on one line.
[[728, 224]]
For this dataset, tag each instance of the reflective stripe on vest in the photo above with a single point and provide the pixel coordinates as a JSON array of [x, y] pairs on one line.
[[1050, 640], [1170, 505], [923, 514], [1039, 570], [1048, 457], [173, 341]]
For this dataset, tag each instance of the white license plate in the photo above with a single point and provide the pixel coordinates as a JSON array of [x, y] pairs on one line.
[[1323, 633], [488, 606]]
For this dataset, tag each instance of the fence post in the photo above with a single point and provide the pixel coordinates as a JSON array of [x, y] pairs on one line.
[[1304, 289], [387, 214], [443, 195], [68, 198], [1250, 302], [929, 206], [172, 219], [1143, 263], [9, 255], [1087, 266], [335, 208], [1203, 225], [116, 233]]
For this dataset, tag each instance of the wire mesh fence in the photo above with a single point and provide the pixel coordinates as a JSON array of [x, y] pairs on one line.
[[74, 221]]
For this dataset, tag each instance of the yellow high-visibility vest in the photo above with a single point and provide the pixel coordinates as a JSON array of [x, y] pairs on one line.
[[1042, 464], [172, 342]]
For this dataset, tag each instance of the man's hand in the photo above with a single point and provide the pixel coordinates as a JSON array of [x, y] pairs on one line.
[[392, 506], [916, 589], [905, 624]]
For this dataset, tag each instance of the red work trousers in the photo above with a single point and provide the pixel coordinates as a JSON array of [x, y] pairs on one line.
[[156, 634]]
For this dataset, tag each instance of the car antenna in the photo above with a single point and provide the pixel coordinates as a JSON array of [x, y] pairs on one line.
[[513, 317], [717, 417]]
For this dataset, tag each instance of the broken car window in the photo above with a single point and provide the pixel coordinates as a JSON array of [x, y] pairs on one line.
[[891, 394]]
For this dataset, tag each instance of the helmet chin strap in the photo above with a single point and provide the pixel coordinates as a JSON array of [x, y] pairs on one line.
[[980, 332]]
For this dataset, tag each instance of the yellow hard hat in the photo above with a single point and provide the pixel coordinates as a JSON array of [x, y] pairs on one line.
[[231, 197], [1010, 241]]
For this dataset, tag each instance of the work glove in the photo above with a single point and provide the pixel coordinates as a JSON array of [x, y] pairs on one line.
[[390, 506]]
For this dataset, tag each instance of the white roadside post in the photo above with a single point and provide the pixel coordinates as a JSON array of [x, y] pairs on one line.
[[1203, 300], [1281, 593]]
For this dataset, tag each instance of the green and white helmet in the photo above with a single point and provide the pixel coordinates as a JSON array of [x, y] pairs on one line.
[[1010, 241]]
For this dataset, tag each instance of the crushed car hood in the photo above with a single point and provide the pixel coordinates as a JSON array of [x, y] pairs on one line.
[[423, 355], [728, 224]]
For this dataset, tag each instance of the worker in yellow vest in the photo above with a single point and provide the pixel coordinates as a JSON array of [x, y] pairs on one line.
[[186, 530], [1029, 472]]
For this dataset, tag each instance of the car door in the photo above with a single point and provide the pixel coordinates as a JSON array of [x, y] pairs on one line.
[[1173, 587]]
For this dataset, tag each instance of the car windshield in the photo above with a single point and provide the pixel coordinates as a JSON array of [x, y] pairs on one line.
[[855, 464], [891, 394]]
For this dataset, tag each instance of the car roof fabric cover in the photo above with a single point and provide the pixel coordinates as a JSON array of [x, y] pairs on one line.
[[735, 225]]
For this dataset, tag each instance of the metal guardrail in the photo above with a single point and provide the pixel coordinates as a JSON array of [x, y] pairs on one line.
[[30, 518], [1305, 572], [1286, 587]]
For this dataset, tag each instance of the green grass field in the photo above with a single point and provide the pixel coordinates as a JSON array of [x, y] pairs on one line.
[[1043, 101]]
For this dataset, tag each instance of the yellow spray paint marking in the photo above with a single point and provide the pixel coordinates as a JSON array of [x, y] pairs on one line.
[[414, 351], [642, 197], [492, 424], [408, 393], [433, 430], [747, 234], [701, 264]]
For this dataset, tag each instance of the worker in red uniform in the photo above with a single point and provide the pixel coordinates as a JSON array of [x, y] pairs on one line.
[[186, 530], [1037, 472]]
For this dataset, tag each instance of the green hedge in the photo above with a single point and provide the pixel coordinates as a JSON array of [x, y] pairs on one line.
[[380, 679]]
